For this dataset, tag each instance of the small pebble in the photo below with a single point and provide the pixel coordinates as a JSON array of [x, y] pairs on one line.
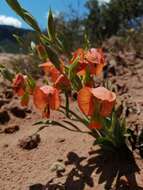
[[30, 142], [60, 140], [11, 129]]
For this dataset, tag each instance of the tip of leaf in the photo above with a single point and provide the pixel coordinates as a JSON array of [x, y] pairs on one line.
[[50, 13]]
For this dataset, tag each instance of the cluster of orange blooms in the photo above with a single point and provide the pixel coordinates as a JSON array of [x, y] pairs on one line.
[[91, 101]]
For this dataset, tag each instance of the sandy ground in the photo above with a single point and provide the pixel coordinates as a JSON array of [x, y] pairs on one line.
[[22, 169]]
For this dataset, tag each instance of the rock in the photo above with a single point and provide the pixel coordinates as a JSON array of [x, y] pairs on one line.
[[91, 151], [122, 88], [1, 131], [8, 94], [109, 70], [30, 142], [60, 160], [18, 112], [4, 117], [28, 117], [5, 145], [58, 167], [28, 111], [3, 102], [11, 129], [60, 140]]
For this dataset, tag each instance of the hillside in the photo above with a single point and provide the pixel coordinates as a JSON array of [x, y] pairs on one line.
[[7, 41]]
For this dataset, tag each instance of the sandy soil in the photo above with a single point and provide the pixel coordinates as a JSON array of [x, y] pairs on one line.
[[81, 165]]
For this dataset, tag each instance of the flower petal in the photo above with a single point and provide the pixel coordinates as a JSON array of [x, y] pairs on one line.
[[95, 56], [85, 101], [106, 108], [54, 74], [55, 99], [99, 69], [50, 70], [46, 96], [19, 84], [96, 61], [106, 98], [79, 53], [102, 93], [40, 99], [46, 66]]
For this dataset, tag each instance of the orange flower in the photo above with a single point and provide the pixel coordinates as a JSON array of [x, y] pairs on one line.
[[95, 56], [46, 98], [60, 80], [92, 59], [62, 83], [90, 98], [19, 84], [96, 61], [50, 70], [80, 55]]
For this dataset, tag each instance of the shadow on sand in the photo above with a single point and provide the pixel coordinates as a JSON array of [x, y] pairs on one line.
[[110, 167]]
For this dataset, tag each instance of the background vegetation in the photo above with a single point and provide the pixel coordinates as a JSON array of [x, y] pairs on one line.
[[102, 21]]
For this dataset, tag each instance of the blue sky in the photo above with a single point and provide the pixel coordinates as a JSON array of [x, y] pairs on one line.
[[39, 9]]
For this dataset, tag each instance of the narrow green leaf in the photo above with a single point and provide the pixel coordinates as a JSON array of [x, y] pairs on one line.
[[76, 83], [31, 82], [25, 15], [29, 19], [105, 143], [118, 133], [87, 78], [60, 45], [86, 42], [51, 26], [25, 99], [45, 39], [15, 6], [72, 68], [18, 39], [7, 74], [39, 123], [53, 57], [72, 75]]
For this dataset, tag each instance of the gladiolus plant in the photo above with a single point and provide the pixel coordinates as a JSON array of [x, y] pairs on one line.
[[67, 74]]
